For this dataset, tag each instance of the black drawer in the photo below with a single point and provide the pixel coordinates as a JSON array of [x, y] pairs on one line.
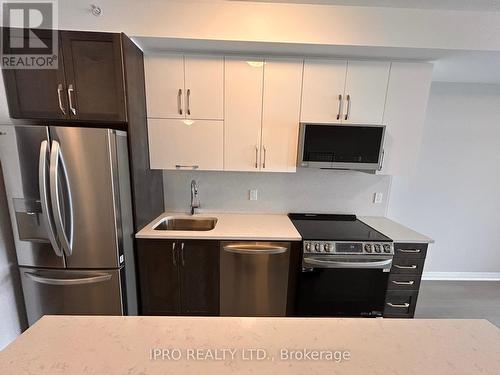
[[410, 250], [400, 304], [412, 266], [401, 281]]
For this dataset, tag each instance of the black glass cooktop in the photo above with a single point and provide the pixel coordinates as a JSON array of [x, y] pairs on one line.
[[326, 227]]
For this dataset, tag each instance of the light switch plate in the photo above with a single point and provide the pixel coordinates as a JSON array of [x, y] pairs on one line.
[[253, 194], [378, 197]]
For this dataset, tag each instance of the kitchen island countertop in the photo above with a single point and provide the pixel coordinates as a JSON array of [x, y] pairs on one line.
[[80, 345]]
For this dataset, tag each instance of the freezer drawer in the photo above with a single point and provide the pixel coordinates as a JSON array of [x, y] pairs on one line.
[[71, 292], [254, 278]]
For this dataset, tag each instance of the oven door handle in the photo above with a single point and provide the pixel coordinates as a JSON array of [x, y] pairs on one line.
[[378, 264]]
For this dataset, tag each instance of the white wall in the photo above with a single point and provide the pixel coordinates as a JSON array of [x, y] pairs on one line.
[[308, 190], [454, 194], [290, 23]]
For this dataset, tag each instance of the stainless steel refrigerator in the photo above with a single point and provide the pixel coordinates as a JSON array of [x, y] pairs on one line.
[[71, 211]]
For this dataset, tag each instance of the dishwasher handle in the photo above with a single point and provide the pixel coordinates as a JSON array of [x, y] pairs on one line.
[[255, 249]]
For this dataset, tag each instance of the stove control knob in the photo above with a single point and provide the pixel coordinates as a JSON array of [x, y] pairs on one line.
[[368, 248], [377, 248], [327, 247], [308, 247], [317, 247], [387, 248]]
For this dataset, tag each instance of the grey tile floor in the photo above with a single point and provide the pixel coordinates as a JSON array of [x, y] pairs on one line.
[[460, 299]]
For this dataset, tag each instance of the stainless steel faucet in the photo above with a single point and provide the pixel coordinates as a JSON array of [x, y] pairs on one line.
[[195, 201]]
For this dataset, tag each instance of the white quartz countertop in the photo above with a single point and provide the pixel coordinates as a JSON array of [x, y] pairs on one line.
[[253, 227], [77, 345], [395, 231]]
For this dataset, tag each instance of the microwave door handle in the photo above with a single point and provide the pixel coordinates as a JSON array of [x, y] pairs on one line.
[[56, 157], [44, 199], [379, 264]]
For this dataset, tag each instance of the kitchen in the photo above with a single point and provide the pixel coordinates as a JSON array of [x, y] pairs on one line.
[[261, 180]]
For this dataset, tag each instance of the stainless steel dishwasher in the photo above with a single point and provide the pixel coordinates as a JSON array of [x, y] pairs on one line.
[[254, 278]]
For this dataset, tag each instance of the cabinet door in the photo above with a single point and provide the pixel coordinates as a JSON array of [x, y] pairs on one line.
[[280, 128], [37, 93], [365, 92], [404, 116], [164, 76], [94, 76], [159, 277], [324, 82], [204, 84], [243, 114], [185, 144], [199, 264]]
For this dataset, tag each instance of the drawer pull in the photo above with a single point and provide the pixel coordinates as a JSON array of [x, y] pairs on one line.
[[412, 267], [409, 250], [410, 282], [399, 305], [178, 166]]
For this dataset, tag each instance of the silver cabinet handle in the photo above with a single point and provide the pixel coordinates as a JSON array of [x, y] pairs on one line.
[[75, 281], [188, 109], [409, 250], [182, 254], [348, 113], [59, 91], [379, 264], [44, 200], [179, 166], [264, 162], [340, 106], [179, 101], [174, 261], [70, 99], [56, 156], [256, 156], [410, 282], [399, 305], [254, 249], [412, 267]]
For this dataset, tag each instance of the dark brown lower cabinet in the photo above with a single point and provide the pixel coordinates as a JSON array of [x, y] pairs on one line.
[[404, 280], [179, 277]]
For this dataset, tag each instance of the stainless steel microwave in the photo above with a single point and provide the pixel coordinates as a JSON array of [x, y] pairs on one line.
[[341, 146]]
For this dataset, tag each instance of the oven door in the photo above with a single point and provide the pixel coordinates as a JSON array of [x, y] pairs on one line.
[[332, 286]]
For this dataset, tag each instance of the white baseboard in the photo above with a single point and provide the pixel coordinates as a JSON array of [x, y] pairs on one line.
[[471, 276]]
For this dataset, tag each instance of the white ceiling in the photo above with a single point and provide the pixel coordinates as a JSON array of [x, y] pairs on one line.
[[470, 5]]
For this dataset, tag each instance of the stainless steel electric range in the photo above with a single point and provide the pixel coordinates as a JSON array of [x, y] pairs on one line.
[[345, 266]]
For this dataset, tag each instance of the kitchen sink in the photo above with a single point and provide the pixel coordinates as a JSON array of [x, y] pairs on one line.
[[186, 223]]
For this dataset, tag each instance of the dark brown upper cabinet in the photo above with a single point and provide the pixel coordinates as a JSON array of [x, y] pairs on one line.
[[88, 84]]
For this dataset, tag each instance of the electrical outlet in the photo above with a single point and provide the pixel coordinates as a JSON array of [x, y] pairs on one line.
[[377, 198], [253, 194]]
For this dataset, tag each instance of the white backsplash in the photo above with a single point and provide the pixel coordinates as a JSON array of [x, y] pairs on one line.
[[308, 190]]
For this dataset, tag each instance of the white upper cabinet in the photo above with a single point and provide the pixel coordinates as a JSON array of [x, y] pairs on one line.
[[323, 90], [204, 85], [280, 117], [185, 144], [164, 85], [365, 92], [339, 91], [185, 86], [407, 98], [243, 113]]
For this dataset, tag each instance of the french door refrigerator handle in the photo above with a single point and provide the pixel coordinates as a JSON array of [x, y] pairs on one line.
[[42, 182], [75, 281], [56, 156]]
